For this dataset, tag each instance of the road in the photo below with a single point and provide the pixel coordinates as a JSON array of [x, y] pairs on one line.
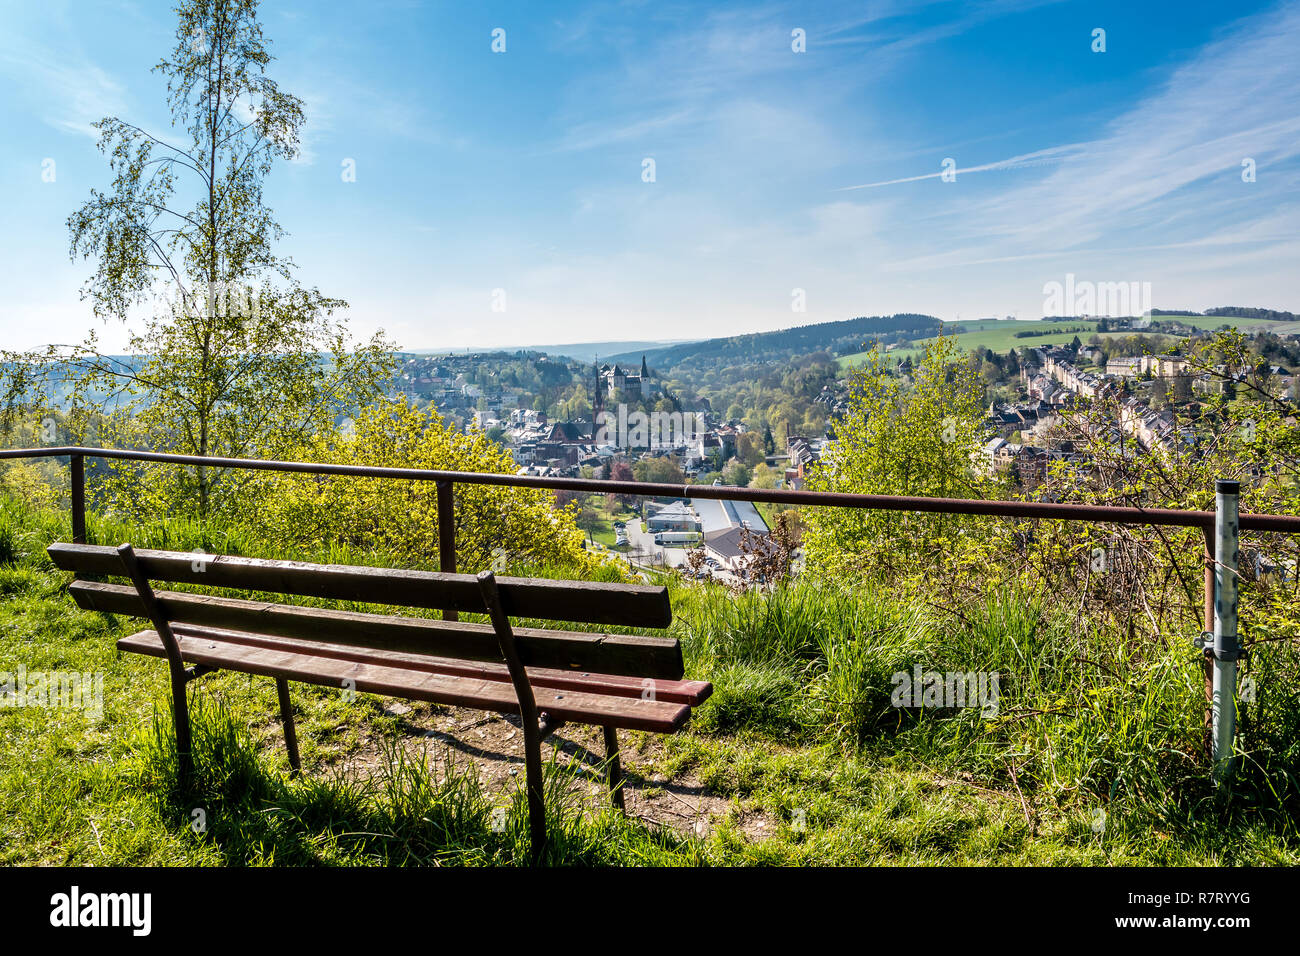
[[643, 548]]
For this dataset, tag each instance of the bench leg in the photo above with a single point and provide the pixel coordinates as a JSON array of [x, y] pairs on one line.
[[527, 711], [533, 775], [181, 718], [175, 664], [615, 768], [286, 717]]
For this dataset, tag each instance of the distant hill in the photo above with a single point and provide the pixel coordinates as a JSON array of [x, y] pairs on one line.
[[578, 351], [839, 338], [591, 351]]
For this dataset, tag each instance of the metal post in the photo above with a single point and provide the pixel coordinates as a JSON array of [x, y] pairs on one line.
[[447, 535], [1225, 627], [1206, 642], [78, 475]]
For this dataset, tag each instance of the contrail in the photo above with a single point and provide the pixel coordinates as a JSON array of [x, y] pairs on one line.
[[1040, 158]]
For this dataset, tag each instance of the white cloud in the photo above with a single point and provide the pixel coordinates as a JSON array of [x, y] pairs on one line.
[[1238, 97], [72, 96], [593, 135]]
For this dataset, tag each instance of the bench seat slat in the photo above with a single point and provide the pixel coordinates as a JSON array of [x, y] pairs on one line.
[[689, 692], [628, 713], [630, 655], [588, 602]]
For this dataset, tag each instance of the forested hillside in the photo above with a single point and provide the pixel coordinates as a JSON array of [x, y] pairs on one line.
[[847, 336]]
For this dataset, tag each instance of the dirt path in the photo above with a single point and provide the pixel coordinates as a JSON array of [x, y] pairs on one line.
[[493, 743]]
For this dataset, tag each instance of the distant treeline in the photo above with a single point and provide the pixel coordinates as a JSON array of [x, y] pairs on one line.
[[1234, 312], [1036, 333]]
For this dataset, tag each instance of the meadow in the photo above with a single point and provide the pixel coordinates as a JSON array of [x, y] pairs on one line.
[[1093, 756], [1000, 335]]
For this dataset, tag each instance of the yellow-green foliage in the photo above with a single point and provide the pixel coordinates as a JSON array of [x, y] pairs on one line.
[[32, 482], [901, 437], [399, 518]]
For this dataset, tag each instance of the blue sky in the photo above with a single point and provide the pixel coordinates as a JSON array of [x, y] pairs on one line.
[[774, 170]]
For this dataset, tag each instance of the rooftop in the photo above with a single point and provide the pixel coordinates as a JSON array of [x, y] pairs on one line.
[[719, 515]]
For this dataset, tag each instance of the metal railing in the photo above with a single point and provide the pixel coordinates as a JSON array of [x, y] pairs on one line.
[[1220, 529]]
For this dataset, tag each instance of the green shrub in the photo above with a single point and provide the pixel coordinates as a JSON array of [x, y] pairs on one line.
[[757, 697]]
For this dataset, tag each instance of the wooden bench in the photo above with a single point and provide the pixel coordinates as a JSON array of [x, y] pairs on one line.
[[547, 677]]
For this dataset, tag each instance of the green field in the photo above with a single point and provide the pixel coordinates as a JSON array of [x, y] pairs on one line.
[[1211, 322], [995, 334], [1000, 334]]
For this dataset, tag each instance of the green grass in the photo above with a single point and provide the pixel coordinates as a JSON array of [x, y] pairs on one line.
[[800, 745], [1000, 335], [605, 533]]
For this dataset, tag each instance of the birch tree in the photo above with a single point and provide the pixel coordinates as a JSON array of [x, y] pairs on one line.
[[229, 355]]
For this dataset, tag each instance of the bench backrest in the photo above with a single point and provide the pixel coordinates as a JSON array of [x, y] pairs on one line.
[[587, 602]]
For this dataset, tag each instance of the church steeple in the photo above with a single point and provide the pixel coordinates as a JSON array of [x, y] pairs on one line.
[[645, 372]]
